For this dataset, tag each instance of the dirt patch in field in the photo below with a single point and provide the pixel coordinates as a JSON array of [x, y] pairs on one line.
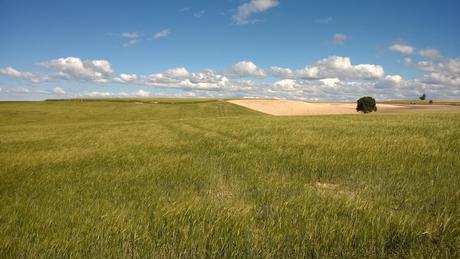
[[296, 108], [334, 190], [326, 186]]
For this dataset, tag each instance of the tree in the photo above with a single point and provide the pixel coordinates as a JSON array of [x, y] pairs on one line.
[[366, 104], [423, 97]]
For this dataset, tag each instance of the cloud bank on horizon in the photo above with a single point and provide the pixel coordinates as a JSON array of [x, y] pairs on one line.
[[332, 76]]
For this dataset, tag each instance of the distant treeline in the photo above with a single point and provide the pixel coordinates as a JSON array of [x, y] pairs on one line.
[[140, 100], [423, 102]]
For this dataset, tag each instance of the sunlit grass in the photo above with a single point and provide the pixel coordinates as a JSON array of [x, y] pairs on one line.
[[112, 179]]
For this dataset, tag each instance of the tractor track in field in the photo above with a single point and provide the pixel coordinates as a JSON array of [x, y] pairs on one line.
[[190, 132]]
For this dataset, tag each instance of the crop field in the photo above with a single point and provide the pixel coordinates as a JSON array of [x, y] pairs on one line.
[[207, 178]]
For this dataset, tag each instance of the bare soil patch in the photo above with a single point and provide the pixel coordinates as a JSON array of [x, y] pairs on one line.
[[298, 108]]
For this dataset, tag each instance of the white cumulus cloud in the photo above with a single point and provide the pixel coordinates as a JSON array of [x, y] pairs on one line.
[[430, 53], [126, 77], [340, 67], [394, 78], [177, 72], [98, 94], [245, 10], [162, 34], [402, 48], [281, 72], [330, 81], [32, 77], [75, 68], [142, 93], [286, 84], [181, 78], [247, 68], [446, 72], [58, 90], [389, 81]]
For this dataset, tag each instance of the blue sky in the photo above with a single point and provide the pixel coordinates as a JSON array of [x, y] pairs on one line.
[[329, 50]]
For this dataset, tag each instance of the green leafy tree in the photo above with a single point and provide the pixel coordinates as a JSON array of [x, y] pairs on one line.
[[366, 104]]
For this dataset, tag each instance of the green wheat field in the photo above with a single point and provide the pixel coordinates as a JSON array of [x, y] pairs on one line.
[[205, 178]]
